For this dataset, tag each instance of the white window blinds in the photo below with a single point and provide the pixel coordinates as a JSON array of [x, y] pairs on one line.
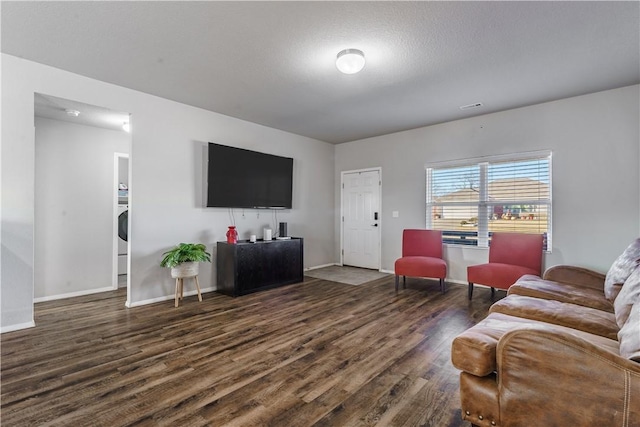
[[470, 200]]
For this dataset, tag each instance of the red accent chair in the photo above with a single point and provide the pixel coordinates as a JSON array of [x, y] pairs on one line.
[[511, 256], [421, 257]]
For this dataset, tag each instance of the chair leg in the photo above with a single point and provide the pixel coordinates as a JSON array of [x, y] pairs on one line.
[[442, 289], [470, 290], [404, 282], [493, 292], [397, 280]]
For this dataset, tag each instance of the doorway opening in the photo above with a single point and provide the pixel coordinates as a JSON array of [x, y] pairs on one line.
[[120, 274], [75, 147]]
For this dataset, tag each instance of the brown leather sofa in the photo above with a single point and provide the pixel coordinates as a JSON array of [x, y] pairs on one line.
[[562, 350]]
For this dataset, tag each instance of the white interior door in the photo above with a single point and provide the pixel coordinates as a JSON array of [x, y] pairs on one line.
[[361, 218]]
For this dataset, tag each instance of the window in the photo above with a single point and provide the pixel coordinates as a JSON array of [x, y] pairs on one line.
[[471, 199]]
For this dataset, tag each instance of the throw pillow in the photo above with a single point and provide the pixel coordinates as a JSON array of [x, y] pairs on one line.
[[628, 296], [621, 269], [629, 335]]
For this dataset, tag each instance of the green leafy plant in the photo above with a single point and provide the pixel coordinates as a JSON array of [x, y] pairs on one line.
[[185, 252]]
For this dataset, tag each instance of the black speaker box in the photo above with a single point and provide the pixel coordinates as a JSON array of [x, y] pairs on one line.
[[283, 230]]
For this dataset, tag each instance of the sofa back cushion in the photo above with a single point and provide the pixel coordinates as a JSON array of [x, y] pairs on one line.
[[629, 335], [621, 269], [628, 296]]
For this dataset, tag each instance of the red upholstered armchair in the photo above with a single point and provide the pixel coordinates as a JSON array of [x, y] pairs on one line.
[[421, 256], [511, 256]]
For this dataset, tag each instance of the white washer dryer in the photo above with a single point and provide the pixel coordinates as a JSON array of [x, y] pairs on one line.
[[123, 220]]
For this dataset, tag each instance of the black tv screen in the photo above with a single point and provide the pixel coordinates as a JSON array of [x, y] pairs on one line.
[[239, 178]]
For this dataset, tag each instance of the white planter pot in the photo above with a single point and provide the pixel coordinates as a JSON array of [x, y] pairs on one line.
[[186, 269]]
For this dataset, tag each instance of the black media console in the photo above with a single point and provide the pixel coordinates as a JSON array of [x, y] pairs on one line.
[[246, 267]]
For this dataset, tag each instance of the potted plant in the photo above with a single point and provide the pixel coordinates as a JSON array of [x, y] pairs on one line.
[[183, 259]]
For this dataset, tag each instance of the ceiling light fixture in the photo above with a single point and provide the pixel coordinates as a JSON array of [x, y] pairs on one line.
[[126, 127], [72, 113], [350, 61]]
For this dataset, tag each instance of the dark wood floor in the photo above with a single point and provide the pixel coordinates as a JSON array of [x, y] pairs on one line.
[[317, 353]]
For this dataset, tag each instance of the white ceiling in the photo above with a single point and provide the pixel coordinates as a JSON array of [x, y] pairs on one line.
[[273, 63]]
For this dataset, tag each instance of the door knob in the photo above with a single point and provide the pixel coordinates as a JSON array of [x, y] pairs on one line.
[[375, 225]]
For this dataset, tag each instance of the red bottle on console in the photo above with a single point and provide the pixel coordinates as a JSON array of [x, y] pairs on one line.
[[232, 234]]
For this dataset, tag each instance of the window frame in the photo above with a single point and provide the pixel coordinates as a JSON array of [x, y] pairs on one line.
[[482, 234]]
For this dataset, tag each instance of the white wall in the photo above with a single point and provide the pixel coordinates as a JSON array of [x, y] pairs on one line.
[[74, 199], [166, 182], [594, 138], [123, 170], [595, 144]]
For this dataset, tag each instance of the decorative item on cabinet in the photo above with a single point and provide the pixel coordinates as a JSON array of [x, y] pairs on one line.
[[232, 234]]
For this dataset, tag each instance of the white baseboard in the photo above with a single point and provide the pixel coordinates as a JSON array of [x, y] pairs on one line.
[[17, 327], [340, 265], [320, 266], [73, 294], [448, 280], [464, 282], [382, 270], [166, 298]]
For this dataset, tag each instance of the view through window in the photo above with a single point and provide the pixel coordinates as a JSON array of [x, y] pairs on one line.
[[469, 200]]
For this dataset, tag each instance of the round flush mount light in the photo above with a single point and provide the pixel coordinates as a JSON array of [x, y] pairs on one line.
[[350, 61]]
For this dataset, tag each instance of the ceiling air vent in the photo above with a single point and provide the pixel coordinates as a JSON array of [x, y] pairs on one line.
[[471, 106]]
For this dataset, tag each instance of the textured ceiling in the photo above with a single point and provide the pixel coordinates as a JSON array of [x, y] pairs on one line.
[[273, 63]]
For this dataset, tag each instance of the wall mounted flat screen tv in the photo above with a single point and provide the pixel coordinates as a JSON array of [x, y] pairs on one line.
[[239, 178]]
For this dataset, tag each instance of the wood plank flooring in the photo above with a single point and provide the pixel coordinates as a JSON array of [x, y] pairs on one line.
[[317, 353]]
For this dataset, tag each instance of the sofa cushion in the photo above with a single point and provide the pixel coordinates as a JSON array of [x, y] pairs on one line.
[[576, 276], [621, 269], [533, 286], [629, 335], [629, 295], [586, 319], [474, 350]]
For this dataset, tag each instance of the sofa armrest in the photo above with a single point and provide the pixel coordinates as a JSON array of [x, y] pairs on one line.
[[576, 381], [575, 276]]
